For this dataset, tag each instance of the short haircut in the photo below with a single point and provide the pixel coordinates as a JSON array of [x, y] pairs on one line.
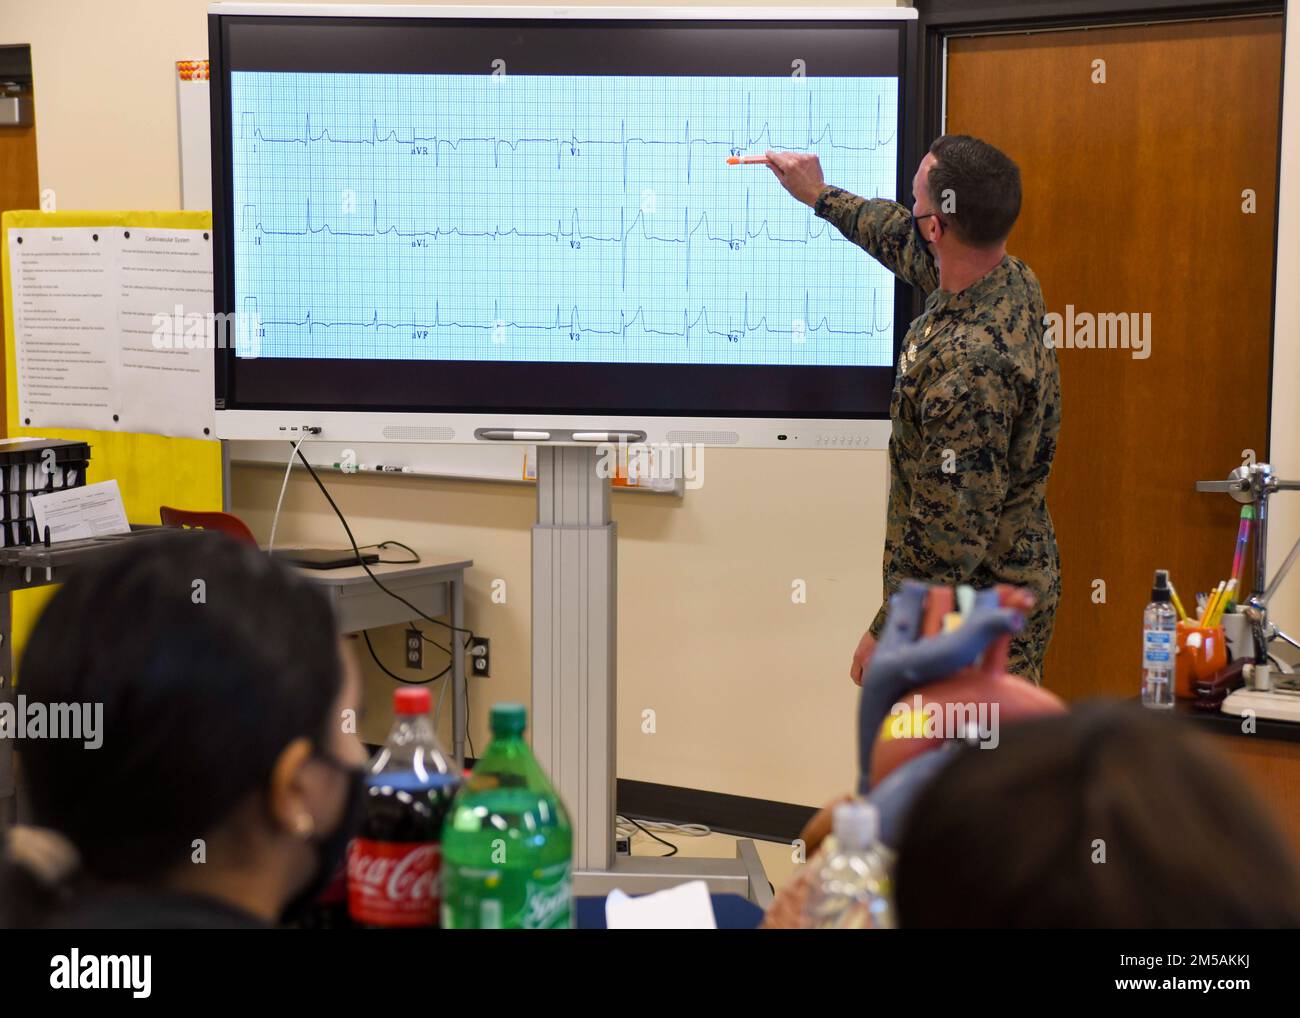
[[974, 187]]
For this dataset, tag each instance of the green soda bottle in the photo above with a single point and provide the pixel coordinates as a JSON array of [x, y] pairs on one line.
[[507, 846]]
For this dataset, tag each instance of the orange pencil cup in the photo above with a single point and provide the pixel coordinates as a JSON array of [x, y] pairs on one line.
[[1202, 651]]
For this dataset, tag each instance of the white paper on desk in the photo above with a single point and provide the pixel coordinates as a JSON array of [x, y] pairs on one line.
[[684, 907], [74, 514], [65, 286], [164, 319]]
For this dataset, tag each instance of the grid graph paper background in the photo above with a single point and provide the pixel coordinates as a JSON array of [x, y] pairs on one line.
[[552, 218]]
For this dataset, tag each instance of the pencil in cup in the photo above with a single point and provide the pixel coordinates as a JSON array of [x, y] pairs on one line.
[[1178, 605], [1224, 600], [1211, 603]]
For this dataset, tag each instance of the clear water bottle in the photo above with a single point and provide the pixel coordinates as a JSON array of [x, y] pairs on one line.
[[1159, 645], [851, 888]]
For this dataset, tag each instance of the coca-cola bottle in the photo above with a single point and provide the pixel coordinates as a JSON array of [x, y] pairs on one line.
[[394, 862]]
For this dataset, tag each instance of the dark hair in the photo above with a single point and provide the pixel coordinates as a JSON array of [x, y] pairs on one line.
[[1012, 837], [209, 659], [984, 185]]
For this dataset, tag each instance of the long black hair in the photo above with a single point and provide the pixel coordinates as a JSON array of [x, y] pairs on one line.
[[1107, 817], [209, 659]]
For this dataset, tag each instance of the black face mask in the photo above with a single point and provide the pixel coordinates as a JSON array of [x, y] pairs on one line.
[[916, 228], [331, 849]]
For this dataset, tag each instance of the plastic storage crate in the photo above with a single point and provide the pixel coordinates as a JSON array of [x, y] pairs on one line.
[[32, 466]]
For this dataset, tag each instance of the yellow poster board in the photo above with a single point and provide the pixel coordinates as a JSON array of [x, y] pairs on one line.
[[151, 470]]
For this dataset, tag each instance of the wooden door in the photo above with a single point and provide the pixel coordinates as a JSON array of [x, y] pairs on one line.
[[1133, 171]]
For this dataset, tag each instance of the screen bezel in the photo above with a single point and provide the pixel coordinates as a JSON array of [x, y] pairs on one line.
[[335, 382]]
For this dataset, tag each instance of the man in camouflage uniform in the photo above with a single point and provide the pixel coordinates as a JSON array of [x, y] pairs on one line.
[[977, 398]]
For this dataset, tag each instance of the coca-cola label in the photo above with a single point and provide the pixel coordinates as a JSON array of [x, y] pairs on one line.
[[393, 883]]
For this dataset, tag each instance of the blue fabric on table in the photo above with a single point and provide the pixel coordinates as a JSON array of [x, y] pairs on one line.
[[731, 911]]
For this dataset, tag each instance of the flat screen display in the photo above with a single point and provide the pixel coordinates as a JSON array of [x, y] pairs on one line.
[[538, 215]]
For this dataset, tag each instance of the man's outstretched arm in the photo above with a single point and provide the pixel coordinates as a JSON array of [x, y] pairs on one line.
[[881, 228]]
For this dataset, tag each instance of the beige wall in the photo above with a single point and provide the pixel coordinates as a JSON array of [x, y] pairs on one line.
[[750, 690]]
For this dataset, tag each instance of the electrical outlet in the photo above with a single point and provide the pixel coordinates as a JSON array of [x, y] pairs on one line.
[[414, 649], [479, 656]]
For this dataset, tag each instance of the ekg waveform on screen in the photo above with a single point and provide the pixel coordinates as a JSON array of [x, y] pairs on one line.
[[556, 218]]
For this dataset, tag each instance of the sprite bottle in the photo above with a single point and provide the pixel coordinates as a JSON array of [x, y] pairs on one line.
[[507, 846]]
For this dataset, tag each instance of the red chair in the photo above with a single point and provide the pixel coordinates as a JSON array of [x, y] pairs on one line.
[[225, 523]]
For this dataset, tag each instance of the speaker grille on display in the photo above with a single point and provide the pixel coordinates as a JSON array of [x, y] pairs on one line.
[[405, 431], [704, 437]]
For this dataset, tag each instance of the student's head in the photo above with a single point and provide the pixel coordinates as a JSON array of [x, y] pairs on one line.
[[1107, 817], [225, 759], [966, 194]]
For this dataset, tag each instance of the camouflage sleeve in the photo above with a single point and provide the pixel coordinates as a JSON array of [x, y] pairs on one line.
[[878, 623], [896, 509], [960, 485], [884, 230]]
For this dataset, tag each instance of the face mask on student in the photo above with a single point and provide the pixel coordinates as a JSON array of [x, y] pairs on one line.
[[331, 847]]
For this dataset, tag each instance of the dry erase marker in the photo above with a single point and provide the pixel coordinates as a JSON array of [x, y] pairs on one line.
[[746, 160]]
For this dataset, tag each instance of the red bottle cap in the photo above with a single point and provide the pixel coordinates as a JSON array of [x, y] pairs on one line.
[[411, 701]]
